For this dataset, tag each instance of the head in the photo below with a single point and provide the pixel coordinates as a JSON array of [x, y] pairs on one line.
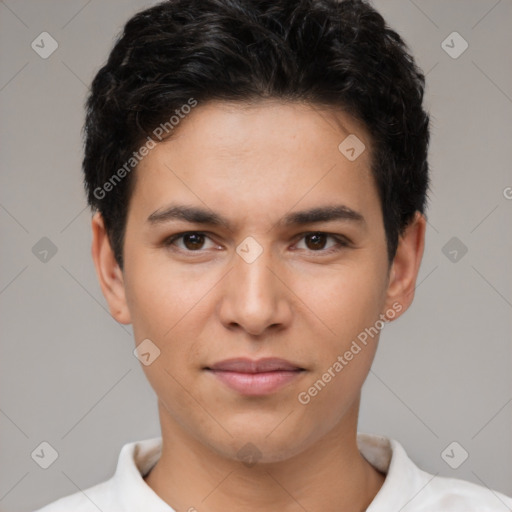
[[245, 111]]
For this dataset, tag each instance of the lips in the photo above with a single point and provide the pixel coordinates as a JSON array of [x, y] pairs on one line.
[[255, 377], [244, 365]]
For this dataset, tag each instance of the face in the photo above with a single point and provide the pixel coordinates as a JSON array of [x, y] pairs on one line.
[[219, 265]]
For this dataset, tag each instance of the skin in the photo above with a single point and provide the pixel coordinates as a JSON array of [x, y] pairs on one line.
[[253, 164]]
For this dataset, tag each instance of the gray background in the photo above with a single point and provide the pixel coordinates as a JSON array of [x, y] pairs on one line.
[[67, 372]]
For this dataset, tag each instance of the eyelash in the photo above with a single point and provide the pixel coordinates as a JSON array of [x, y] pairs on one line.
[[342, 242]]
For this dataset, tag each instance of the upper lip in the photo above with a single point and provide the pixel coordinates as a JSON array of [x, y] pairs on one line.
[[246, 365]]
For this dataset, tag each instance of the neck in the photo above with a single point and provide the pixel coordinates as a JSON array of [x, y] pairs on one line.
[[330, 475]]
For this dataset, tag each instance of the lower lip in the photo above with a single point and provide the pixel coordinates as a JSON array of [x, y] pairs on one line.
[[254, 384]]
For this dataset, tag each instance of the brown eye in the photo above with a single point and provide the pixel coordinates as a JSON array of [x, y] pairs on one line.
[[316, 241], [193, 241]]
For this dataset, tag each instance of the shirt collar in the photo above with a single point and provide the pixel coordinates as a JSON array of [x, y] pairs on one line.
[[404, 480], [135, 461]]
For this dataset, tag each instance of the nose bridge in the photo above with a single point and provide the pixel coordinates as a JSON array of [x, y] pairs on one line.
[[253, 294], [251, 274]]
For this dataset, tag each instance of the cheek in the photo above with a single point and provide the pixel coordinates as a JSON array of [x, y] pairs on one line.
[[345, 300], [349, 306], [161, 295], [169, 307], [165, 307]]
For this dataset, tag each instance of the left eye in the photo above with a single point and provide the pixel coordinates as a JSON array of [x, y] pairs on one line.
[[316, 242]]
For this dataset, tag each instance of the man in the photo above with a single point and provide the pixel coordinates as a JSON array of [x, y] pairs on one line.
[[258, 175]]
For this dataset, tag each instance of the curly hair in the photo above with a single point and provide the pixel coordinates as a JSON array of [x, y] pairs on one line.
[[339, 54]]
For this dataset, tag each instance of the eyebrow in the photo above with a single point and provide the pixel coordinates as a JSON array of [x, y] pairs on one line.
[[198, 215]]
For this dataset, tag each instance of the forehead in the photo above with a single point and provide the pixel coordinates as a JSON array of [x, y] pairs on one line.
[[231, 130], [268, 155]]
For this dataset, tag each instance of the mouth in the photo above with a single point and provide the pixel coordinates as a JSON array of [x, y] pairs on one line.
[[255, 377]]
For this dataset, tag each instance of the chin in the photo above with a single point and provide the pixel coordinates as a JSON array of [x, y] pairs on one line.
[[259, 447]]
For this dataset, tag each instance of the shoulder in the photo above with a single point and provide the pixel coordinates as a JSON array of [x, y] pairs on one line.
[[454, 495], [125, 490], [433, 493], [97, 497], [408, 488]]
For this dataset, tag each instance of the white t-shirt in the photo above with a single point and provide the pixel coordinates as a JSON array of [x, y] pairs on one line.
[[406, 488]]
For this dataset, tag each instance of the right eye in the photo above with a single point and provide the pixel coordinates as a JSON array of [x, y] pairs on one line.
[[191, 241]]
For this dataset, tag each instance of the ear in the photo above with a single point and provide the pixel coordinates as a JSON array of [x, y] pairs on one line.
[[109, 273], [405, 266]]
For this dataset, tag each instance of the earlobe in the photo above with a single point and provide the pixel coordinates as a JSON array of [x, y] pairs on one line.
[[110, 275], [406, 264]]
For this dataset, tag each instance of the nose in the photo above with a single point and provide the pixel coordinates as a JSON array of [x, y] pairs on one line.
[[254, 297]]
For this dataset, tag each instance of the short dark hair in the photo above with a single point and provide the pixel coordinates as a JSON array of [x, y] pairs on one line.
[[339, 54]]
